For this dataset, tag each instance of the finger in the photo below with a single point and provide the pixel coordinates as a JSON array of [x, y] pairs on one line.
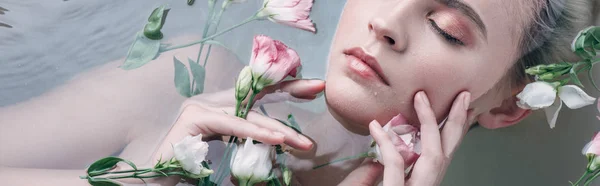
[[454, 129], [292, 137], [210, 123], [302, 88], [430, 134], [383, 140], [394, 163], [367, 174]]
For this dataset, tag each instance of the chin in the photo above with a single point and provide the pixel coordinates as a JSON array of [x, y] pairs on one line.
[[354, 106]]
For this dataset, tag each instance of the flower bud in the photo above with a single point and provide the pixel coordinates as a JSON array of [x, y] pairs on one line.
[[271, 62], [546, 76], [537, 70], [251, 163], [243, 84]]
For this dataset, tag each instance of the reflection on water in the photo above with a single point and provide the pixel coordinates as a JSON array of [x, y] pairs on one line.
[[2, 12]]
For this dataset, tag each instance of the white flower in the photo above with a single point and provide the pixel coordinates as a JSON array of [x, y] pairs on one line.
[[251, 163], [539, 95], [191, 152]]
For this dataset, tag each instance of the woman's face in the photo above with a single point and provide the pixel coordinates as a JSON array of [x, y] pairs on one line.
[[385, 51]]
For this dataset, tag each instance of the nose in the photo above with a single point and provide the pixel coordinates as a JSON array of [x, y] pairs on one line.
[[384, 32]]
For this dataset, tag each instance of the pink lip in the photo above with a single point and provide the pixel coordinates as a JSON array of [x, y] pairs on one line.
[[370, 61]]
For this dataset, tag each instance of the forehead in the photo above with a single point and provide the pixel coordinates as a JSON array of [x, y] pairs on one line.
[[507, 16]]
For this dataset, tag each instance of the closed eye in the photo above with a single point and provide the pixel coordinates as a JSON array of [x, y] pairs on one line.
[[449, 38]]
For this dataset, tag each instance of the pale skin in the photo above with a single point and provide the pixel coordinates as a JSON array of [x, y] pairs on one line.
[[93, 109]]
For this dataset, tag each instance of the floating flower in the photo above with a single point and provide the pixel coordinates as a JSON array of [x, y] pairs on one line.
[[540, 95], [190, 153], [271, 62], [251, 163], [289, 12], [405, 139]]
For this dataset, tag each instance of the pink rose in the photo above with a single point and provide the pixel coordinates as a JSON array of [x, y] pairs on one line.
[[405, 139], [289, 12], [271, 62]]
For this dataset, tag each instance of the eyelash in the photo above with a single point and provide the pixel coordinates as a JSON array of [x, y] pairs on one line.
[[451, 39]]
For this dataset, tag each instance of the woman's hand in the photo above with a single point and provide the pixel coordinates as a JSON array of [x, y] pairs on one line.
[[212, 116], [437, 148]]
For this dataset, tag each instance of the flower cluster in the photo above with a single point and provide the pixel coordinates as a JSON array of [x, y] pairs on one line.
[[147, 45], [551, 90], [188, 161], [271, 62]]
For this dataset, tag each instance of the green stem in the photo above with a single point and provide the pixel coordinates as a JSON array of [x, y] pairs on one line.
[[220, 170], [362, 155], [581, 178], [207, 26], [250, 19], [589, 180], [212, 4], [215, 30], [221, 175], [249, 105], [136, 176], [120, 172], [243, 182]]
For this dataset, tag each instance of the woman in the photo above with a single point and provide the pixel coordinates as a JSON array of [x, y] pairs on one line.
[[427, 60]]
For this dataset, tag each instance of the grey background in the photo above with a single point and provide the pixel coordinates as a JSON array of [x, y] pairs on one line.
[[53, 40]]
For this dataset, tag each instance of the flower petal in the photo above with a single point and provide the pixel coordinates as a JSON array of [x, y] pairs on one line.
[[574, 97], [536, 95], [593, 147], [552, 112]]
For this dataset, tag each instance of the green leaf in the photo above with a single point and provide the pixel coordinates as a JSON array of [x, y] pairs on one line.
[[103, 165], [274, 182], [287, 175], [156, 20], [190, 2], [182, 78], [574, 77], [293, 122], [591, 76], [142, 51], [102, 182], [587, 42], [199, 74]]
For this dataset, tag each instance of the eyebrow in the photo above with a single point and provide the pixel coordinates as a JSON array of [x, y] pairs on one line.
[[468, 11]]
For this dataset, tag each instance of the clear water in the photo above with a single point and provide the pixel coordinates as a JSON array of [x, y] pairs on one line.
[[45, 44]]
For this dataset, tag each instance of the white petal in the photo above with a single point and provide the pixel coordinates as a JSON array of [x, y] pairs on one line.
[[574, 97], [552, 113], [585, 148], [537, 95]]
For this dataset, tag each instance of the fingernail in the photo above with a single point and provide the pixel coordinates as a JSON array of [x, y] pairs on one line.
[[467, 100], [276, 134], [316, 82], [304, 139], [424, 98]]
